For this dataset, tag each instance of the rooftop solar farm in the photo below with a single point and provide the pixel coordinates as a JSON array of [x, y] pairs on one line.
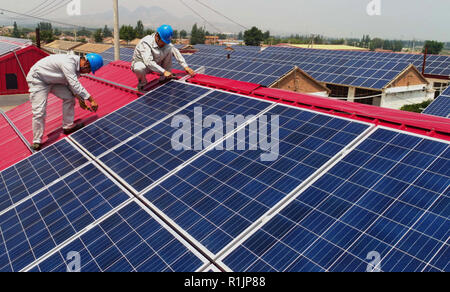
[[167, 154]]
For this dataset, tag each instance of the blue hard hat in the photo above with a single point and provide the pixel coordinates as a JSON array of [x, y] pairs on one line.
[[165, 33], [96, 61]]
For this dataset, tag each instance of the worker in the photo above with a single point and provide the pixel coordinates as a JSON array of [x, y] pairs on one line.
[[154, 54], [59, 75]]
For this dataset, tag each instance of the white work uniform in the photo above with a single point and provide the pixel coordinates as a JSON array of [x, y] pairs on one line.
[[59, 75], [149, 57]]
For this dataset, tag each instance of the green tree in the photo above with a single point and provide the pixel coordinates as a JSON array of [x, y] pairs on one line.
[[16, 32], [149, 31], [253, 37], [46, 32], [197, 35], [57, 32], [397, 46], [176, 34], [417, 108], [107, 33], [98, 36], [84, 32], [266, 35], [127, 33], [183, 34], [434, 47], [240, 36], [140, 31], [222, 36], [376, 43]]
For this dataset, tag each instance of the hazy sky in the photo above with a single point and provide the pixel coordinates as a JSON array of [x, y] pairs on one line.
[[405, 19]]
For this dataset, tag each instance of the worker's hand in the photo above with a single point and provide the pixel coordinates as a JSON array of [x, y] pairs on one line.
[[168, 74], [94, 105], [189, 71], [83, 105]]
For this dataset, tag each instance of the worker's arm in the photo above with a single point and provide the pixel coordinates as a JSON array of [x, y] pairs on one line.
[[180, 59], [69, 70], [147, 56]]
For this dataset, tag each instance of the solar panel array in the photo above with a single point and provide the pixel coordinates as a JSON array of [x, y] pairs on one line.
[[337, 191], [247, 71], [441, 106], [8, 44]]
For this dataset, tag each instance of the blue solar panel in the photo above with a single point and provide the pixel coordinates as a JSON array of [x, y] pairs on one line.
[[137, 116], [441, 106], [148, 157], [389, 196], [130, 240], [32, 174], [222, 193], [34, 227]]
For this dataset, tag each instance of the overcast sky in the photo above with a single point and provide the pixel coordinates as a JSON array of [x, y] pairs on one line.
[[405, 19]]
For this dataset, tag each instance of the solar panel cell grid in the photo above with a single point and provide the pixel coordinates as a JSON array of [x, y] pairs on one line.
[[387, 196], [41, 223], [135, 117], [130, 240], [222, 193], [30, 175], [150, 156], [441, 106]]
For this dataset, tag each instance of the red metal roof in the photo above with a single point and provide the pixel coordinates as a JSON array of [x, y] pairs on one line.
[[109, 98], [8, 65], [13, 149]]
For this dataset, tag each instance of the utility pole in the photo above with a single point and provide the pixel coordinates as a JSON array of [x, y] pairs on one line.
[[116, 31]]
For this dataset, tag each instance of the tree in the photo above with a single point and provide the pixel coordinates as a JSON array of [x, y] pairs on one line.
[[107, 33], [149, 31], [197, 35], [57, 32], [376, 43], [139, 31], [222, 36], [434, 47], [46, 32], [16, 32], [183, 34], [241, 36], [84, 32], [266, 35], [176, 34], [98, 36], [127, 33], [253, 37]]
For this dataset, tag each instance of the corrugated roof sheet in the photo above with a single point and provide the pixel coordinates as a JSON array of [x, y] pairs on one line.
[[13, 149], [63, 45], [92, 48]]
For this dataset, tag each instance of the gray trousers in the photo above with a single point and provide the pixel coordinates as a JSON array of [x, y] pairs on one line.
[[38, 96]]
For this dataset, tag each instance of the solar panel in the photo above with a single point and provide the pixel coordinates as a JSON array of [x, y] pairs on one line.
[[388, 197], [115, 128], [222, 193], [7, 47], [32, 174], [130, 240], [36, 226], [148, 157], [441, 106]]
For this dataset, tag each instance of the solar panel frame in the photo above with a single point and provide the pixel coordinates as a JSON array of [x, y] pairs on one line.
[[360, 265], [192, 239], [440, 106], [123, 242]]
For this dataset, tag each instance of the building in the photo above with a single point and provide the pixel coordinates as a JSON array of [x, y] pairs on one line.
[[299, 81], [61, 47], [211, 40], [91, 48], [17, 56]]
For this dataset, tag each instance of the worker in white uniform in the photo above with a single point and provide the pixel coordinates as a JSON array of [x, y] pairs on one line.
[[154, 54], [59, 75]]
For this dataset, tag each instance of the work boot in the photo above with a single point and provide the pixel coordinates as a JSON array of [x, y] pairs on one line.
[[73, 129], [35, 147], [141, 87]]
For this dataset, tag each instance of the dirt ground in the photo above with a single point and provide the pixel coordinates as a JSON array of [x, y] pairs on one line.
[[8, 102]]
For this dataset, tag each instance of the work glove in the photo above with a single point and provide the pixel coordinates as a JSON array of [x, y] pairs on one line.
[[189, 71], [94, 105], [168, 75], [82, 103]]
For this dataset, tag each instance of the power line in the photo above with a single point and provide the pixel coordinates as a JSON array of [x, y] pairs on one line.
[[43, 8], [36, 8], [199, 15], [44, 19], [221, 14], [62, 4]]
